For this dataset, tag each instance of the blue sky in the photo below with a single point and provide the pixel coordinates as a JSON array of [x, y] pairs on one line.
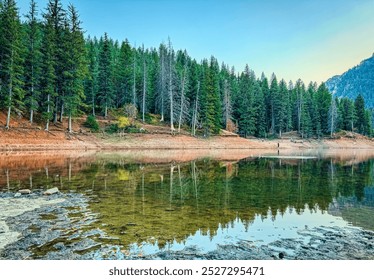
[[312, 40]]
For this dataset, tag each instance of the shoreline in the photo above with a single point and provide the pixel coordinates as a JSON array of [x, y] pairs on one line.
[[14, 141]]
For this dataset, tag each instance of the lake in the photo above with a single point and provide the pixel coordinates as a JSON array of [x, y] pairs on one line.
[[152, 202]]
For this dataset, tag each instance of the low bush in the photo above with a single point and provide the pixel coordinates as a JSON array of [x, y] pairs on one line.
[[92, 124]]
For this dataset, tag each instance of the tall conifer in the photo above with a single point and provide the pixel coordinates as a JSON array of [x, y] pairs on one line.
[[11, 71]]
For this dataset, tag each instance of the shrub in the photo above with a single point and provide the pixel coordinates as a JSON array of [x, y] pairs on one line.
[[123, 122], [92, 123], [121, 125], [113, 128]]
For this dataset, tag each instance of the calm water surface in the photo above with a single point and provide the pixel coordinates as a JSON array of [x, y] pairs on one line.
[[147, 207]]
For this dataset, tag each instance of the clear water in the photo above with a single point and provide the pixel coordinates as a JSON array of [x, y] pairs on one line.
[[147, 206]]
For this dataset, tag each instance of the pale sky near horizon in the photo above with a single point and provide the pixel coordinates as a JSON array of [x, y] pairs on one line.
[[312, 40]]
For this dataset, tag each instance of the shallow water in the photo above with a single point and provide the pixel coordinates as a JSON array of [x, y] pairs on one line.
[[147, 206]]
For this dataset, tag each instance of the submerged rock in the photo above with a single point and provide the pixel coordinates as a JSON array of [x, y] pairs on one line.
[[24, 191], [51, 191]]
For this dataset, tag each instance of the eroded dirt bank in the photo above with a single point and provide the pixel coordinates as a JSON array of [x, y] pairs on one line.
[[32, 140]]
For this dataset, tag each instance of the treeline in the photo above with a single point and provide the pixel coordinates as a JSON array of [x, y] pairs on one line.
[[48, 68]]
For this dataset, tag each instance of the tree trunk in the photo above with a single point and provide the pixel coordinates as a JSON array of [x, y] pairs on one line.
[[10, 95], [55, 111], [93, 103], [62, 112], [32, 94], [48, 111], [134, 83], [171, 95], [8, 118], [272, 118], [194, 120], [162, 85], [31, 116], [332, 121], [299, 112], [70, 126], [182, 99], [144, 91]]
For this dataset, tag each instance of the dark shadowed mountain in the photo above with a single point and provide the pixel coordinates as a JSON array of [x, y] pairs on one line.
[[359, 79]]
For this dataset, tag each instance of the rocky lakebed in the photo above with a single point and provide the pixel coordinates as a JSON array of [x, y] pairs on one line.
[[60, 226]]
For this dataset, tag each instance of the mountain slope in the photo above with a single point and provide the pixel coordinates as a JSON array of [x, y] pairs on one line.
[[359, 79]]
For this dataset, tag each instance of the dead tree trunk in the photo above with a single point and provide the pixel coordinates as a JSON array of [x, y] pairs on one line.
[[48, 111], [182, 98], [194, 118], [144, 87], [171, 96]]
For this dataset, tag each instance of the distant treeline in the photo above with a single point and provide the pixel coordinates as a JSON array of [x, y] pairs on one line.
[[48, 69]]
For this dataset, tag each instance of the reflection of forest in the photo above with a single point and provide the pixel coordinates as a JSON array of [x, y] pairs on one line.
[[40, 169], [357, 212], [164, 202]]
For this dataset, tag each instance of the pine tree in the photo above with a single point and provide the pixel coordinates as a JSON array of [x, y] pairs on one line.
[[246, 108], [162, 82], [124, 72], [183, 102], [105, 86], [91, 81], [264, 84], [299, 92], [368, 123], [346, 114], [134, 74], [75, 66], [152, 79], [360, 114], [315, 98], [1, 55], [280, 107], [11, 72], [307, 115], [194, 94], [289, 106], [172, 81], [32, 73], [48, 78], [53, 61], [55, 27], [260, 108], [273, 95], [323, 102]]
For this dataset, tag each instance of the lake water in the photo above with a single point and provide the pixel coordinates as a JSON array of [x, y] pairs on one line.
[[146, 204]]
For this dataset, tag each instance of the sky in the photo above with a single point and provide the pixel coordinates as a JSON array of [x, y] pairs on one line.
[[312, 40]]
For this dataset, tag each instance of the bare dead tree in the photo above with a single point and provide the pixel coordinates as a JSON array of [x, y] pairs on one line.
[[144, 86], [162, 85], [194, 115], [227, 108], [171, 86], [134, 79], [183, 108]]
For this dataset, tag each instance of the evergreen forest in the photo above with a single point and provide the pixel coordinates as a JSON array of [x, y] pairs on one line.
[[50, 69]]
